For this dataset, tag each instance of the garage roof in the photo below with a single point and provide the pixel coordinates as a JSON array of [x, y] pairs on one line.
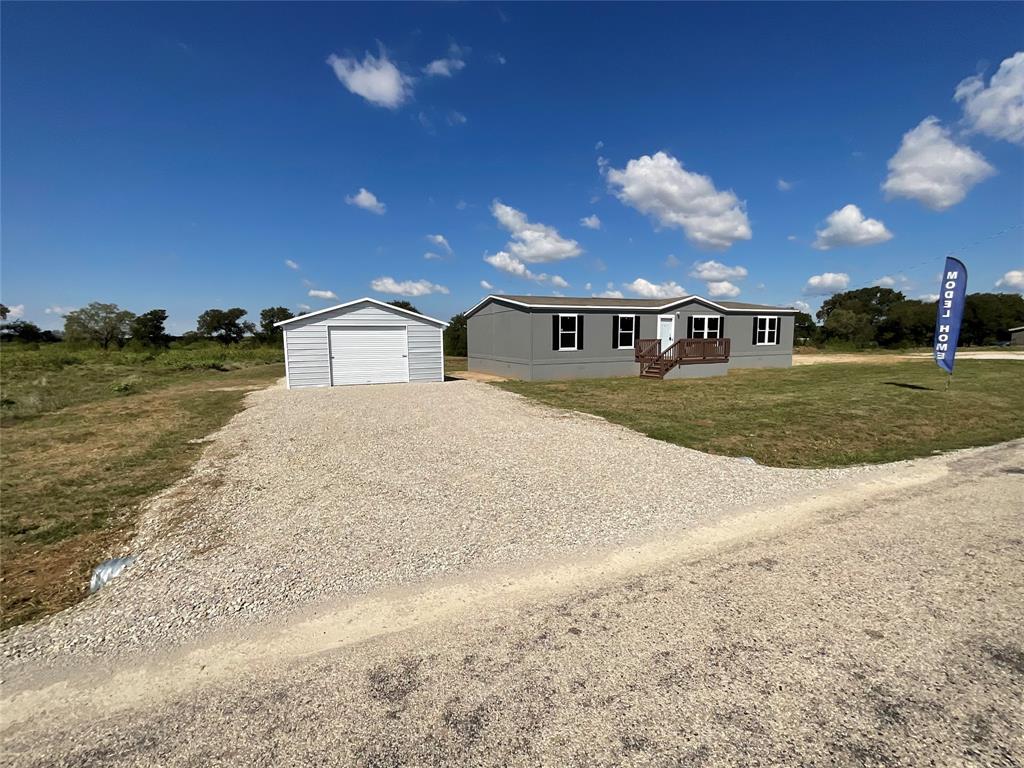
[[336, 307]]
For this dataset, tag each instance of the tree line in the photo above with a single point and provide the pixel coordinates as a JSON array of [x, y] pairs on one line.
[[884, 317]]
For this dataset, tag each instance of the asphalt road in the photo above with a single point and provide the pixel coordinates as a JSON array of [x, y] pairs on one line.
[[881, 624]]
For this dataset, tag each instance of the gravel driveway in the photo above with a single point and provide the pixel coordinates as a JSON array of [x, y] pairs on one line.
[[310, 495]]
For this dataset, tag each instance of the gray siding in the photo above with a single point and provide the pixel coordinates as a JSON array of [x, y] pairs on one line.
[[307, 350], [516, 342], [1017, 339]]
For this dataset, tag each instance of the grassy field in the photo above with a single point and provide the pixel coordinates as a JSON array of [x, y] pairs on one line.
[[811, 416], [454, 364], [87, 436]]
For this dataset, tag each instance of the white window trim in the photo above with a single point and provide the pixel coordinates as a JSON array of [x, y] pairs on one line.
[[575, 332], [619, 332], [706, 318], [769, 331]]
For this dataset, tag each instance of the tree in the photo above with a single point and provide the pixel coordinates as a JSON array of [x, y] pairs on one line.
[[847, 325], [268, 333], [455, 338], [21, 330], [4, 311], [989, 316], [148, 328], [403, 304], [873, 302], [804, 328], [224, 325], [909, 323], [98, 323]]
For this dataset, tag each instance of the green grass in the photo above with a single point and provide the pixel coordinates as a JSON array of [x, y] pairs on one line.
[[811, 416], [88, 436], [455, 364]]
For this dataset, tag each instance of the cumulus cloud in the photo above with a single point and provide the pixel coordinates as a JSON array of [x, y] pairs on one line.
[[291, 264], [667, 290], [826, 283], [783, 185], [59, 310], [849, 227], [531, 242], [513, 266], [591, 221], [374, 78], [447, 66], [997, 110], [486, 286], [406, 287], [303, 307], [1014, 280], [933, 169], [366, 200], [318, 294], [16, 312], [660, 187], [723, 289], [928, 298], [715, 270], [609, 293], [440, 241], [803, 306]]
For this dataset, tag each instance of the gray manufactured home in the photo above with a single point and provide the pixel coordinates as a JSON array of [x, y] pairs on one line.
[[362, 342], [537, 338]]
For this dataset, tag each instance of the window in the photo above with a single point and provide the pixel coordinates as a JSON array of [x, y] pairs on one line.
[[706, 327], [567, 326], [624, 331], [766, 330]]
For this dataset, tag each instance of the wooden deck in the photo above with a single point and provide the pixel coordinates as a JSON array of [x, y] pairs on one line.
[[655, 363]]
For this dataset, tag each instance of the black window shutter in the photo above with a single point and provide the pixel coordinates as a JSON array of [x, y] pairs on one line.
[[636, 329], [778, 330], [554, 332], [721, 326], [754, 338], [689, 326], [579, 331], [615, 331]]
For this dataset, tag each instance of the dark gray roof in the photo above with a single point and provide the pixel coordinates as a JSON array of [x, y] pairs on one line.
[[584, 302]]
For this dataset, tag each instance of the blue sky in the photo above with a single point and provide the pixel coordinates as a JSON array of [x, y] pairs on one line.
[[178, 156]]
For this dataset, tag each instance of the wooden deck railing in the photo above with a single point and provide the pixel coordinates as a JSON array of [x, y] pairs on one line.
[[653, 360]]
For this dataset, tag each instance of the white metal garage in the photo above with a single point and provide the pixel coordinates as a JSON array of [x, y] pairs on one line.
[[362, 342]]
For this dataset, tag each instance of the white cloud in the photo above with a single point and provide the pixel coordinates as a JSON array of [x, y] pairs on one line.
[[431, 256], [649, 290], [318, 294], [440, 241], [375, 79], [447, 66], [500, 59], [610, 293], [933, 169], [591, 221], [928, 298], [291, 264], [783, 185], [461, 205], [722, 289], [715, 270], [366, 200], [1014, 280], [513, 266], [16, 312], [533, 243], [303, 307], [791, 238], [892, 281], [599, 146], [827, 283], [803, 306], [58, 310], [406, 287], [660, 187], [998, 109], [486, 286], [671, 261], [848, 226], [457, 118]]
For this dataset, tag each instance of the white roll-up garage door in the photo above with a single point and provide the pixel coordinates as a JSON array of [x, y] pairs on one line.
[[369, 355]]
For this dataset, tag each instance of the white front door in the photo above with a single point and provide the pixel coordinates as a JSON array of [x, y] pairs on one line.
[[666, 330], [369, 355]]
